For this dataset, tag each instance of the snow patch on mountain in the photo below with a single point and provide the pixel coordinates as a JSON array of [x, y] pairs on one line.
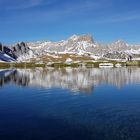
[[83, 45]]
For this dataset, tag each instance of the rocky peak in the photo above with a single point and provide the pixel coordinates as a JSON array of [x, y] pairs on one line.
[[20, 48], [120, 43], [87, 38], [0, 46]]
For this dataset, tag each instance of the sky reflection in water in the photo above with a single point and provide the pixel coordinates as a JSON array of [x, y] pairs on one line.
[[70, 103]]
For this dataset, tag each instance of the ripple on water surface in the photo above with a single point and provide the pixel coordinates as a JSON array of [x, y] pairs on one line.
[[100, 104]]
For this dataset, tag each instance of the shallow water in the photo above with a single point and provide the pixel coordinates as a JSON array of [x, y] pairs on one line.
[[70, 103]]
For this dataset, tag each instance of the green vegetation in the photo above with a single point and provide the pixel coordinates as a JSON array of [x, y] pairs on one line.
[[4, 65], [96, 64], [59, 65], [132, 63], [87, 64], [21, 65]]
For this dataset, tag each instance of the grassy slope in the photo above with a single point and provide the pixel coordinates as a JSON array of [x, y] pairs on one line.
[[61, 58]]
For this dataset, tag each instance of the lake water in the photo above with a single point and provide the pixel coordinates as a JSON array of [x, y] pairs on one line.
[[70, 104]]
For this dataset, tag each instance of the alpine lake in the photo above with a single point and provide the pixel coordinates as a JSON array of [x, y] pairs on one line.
[[70, 103]]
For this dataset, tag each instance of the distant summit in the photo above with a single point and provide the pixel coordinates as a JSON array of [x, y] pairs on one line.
[[74, 47], [87, 38]]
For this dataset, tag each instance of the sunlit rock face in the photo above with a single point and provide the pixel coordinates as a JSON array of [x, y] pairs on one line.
[[87, 38], [75, 44], [74, 79], [79, 45]]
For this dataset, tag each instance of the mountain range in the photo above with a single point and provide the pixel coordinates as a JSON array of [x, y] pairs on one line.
[[75, 48]]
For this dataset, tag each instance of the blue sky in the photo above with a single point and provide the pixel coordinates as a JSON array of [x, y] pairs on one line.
[[106, 20]]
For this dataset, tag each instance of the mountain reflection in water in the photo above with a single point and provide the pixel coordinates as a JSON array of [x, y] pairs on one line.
[[74, 79]]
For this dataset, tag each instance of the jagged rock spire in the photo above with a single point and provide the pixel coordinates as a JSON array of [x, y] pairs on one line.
[[1, 49]]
